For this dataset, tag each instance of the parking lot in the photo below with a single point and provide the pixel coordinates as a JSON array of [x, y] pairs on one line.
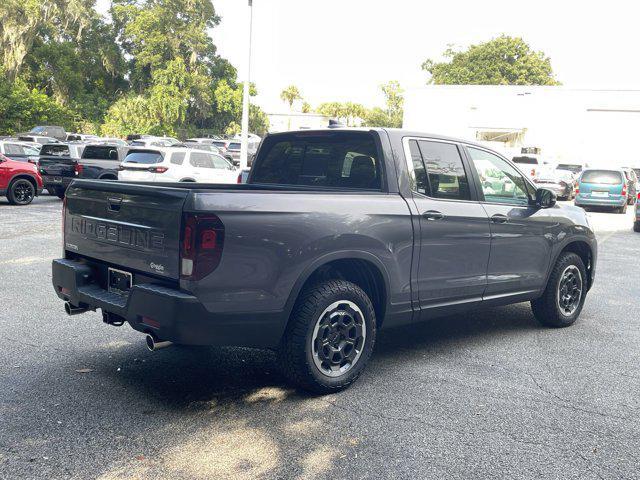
[[487, 395]]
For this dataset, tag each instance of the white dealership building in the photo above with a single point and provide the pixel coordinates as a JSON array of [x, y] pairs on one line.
[[596, 127]]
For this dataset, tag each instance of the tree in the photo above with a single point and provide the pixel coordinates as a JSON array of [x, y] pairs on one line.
[[351, 113], [290, 95], [391, 117], [502, 61], [306, 107]]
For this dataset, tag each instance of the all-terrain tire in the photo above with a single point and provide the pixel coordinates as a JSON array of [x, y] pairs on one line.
[[547, 309], [296, 352]]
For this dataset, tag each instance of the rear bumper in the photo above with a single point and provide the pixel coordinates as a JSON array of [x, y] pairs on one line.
[[50, 184], [168, 313], [600, 202]]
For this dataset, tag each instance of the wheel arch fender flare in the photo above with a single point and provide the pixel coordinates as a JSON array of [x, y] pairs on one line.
[[319, 262], [562, 246], [25, 176]]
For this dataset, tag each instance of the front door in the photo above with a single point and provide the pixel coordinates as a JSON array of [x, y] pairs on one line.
[[454, 230], [521, 233]]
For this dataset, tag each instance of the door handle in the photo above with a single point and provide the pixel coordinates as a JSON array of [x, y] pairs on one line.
[[499, 218], [433, 215], [114, 204]]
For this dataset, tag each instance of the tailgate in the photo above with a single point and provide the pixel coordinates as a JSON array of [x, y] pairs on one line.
[[62, 167], [135, 227]]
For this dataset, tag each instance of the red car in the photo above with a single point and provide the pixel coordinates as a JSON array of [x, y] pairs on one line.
[[19, 181]]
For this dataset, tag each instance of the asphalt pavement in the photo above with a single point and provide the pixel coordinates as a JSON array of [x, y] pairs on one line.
[[486, 395]]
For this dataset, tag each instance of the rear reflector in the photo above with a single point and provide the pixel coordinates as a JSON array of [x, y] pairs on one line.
[[200, 245], [78, 169], [157, 169]]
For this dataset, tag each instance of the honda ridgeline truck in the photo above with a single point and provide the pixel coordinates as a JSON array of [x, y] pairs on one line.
[[337, 234]]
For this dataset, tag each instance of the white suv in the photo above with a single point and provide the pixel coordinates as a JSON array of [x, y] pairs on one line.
[[176, 165]]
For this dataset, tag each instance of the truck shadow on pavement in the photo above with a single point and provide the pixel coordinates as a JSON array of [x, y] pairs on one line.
[[227, 412]]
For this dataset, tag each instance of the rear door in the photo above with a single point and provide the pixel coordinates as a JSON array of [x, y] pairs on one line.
[[56, 161], [135, 227], [454, 229]]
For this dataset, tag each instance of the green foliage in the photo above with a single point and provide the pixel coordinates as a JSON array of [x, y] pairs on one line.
[[149, 69], [21, 108], [350, 113], [290, 95], [391, 117], [502, 61]]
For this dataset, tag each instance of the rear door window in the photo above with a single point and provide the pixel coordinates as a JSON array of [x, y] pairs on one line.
[[177, 158], [446, 177], [338, 160], [148, 157], [607, 177]]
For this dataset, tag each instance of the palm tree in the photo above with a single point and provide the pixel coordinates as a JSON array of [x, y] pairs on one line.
[[290, 95]]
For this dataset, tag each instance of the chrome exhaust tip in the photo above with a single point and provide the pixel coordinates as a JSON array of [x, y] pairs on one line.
[[73, 310], [154, 344]]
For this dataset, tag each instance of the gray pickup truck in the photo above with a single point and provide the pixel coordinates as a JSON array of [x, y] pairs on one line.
[[337, 234]]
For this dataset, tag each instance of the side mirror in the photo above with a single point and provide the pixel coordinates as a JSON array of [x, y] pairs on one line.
[[545, 198]]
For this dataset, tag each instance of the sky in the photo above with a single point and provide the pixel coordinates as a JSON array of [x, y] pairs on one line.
[[343, 50]]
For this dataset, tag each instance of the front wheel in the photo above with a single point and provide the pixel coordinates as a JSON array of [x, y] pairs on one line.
[[21, 192], [563, 299], [330, 337]]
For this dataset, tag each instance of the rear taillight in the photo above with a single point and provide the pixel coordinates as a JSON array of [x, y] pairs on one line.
[[533, 172], [157, 169], [577, 190], [638, 196], [78, 169], [240, 177], [201, 245], [624, 190], [64, 216]]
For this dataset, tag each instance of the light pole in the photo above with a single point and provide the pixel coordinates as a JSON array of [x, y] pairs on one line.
[[244, 142]]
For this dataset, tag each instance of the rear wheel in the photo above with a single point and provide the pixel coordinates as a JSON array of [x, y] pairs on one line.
[[623, 209], [59, 192], [636, 226], [563, 299], [21, 192], [329, 338]]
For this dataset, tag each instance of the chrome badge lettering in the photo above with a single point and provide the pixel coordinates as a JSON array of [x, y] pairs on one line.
[[133, 237]]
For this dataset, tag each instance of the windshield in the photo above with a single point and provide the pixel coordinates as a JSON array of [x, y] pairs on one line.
[[607, 177], [55, 150], [101, 152], [144, 157]]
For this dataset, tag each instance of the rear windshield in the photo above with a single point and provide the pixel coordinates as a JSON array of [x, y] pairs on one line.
[[219, 144], [571, 167], [340, 160], [147, 158], [234, 146], [100, 152], [55, 150], [608, 177], [525, 160]]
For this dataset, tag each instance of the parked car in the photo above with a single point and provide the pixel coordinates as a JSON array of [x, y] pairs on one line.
[[37, 139], [529, 164], [204, 147], [53, 131], [560, 182], [58, 165], [600, 187], [81, 137], [20, 151], [337, 233], [19, 181], [111, 140], [632, 185], [176, 165]]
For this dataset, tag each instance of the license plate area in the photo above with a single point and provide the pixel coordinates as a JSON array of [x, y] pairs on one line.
[[599, 194], [119, 281]]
